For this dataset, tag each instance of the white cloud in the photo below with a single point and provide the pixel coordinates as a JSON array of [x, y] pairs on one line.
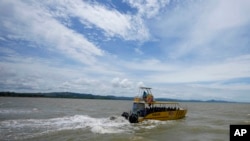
[[239, 86], [229, 69], [36, 25], [226, 14], [123, 83], [151, 65], [154, 71], [140, 84], [200, 30], [202, 27], [111, 21], [139, 51], [24, 74], [116, 82], [217, 18], [148, 8]]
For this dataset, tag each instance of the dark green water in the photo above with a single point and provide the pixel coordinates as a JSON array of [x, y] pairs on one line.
[[77, 119]]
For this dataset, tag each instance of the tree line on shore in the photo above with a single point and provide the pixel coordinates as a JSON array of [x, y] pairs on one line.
[[63, 95], [89, 96]]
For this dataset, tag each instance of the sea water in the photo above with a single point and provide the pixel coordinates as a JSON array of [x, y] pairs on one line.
[[81, 119]]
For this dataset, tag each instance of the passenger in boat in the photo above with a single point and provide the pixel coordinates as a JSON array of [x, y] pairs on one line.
[[144, 96], [151, 109]]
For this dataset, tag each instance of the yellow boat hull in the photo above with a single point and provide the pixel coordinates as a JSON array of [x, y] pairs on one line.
[[165, 115]]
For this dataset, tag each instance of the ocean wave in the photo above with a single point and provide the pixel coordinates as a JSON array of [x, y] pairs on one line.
[[17, 111], [28, 128]]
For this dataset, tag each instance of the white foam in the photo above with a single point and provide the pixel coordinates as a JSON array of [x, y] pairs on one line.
[[29, 128], [17, 111], [35, 127], [149, 124]]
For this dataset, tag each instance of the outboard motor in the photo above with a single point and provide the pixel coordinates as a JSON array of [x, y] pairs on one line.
[[133, 118], [125, 115]]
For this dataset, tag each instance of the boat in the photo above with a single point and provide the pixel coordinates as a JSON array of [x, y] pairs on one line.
[[146, 108]]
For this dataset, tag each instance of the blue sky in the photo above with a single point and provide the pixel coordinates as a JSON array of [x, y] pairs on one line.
[[190, 49]]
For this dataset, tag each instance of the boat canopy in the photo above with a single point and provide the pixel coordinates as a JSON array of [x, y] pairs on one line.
[[147, 97]]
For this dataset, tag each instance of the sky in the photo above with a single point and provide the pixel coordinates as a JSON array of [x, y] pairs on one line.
[[183, 49]]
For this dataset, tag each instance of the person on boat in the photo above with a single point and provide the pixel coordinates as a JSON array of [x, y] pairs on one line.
[[149, 99], [145, 96]]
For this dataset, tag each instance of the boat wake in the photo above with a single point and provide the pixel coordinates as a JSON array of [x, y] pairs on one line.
[[29, 128]]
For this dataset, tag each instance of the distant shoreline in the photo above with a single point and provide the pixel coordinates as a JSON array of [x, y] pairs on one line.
[[91, 96]]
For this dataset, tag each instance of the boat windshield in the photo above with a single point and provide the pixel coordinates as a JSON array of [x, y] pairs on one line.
[[138, 107]]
